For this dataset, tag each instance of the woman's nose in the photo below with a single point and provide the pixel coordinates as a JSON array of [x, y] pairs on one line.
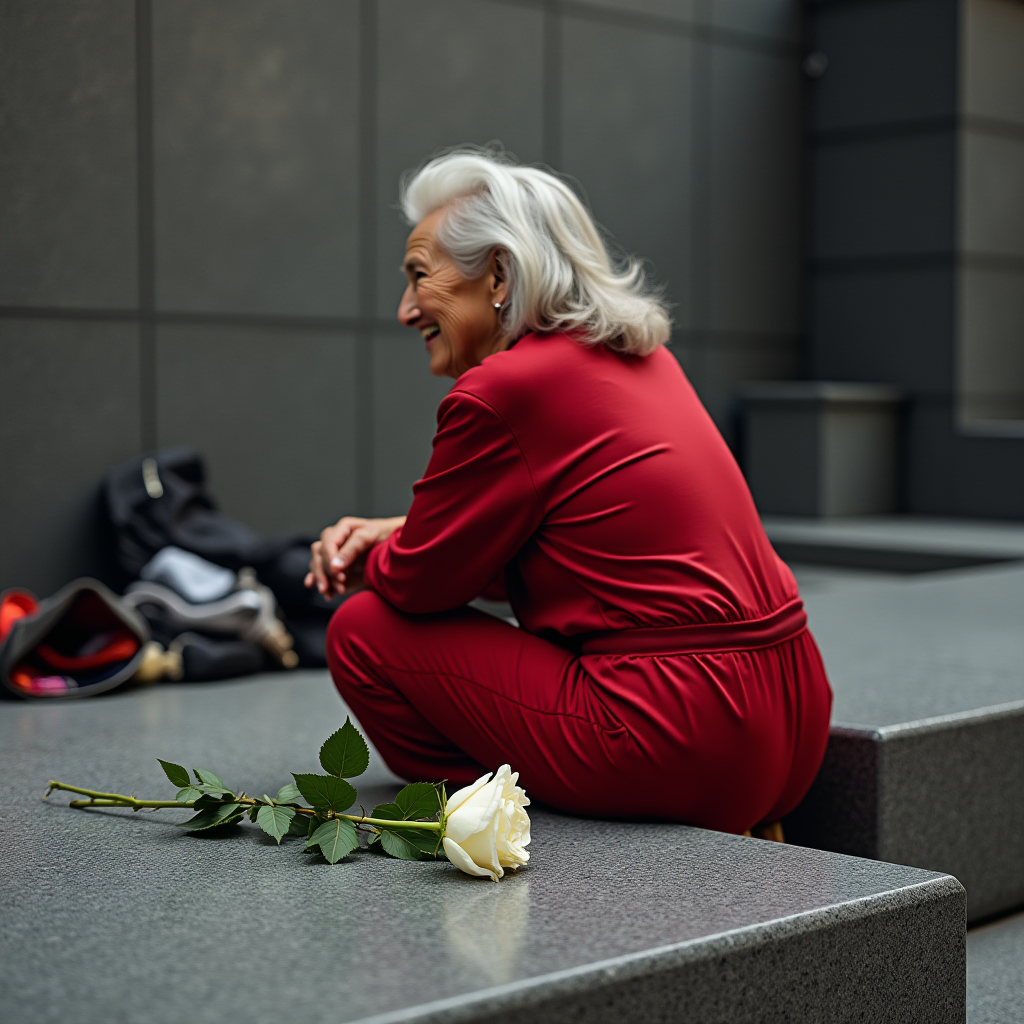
[[408, 310]]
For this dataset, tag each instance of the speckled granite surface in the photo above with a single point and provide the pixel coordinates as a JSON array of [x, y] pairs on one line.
[[926, 759], [995, 972], [123, 918]]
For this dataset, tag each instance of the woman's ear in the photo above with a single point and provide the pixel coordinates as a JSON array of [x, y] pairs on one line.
[[498, 273]]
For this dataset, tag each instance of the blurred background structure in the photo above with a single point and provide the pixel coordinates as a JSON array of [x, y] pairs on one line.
[[199, 242]]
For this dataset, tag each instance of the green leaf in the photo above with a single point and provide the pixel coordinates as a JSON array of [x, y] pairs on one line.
[[336, 838], [213, 791], [325, 791], [188, 794], [208, 800], [406, 843], [288, 794], [299, 825], [252, 812], [213, 817], [176, 775], [410, 843], [314, 823], [275, 821], [345, 753], [418, 801], [211, 779]]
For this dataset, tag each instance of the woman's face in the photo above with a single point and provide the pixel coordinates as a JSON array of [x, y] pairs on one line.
[[456, 317]]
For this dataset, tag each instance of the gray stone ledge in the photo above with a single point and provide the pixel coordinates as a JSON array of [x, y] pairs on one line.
[[120, 916], [925, 762], [796, 968]]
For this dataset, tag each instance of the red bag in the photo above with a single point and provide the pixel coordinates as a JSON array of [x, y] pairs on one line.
[[81, 641]]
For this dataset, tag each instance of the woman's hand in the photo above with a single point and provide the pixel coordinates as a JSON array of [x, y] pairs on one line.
[[337, 558]]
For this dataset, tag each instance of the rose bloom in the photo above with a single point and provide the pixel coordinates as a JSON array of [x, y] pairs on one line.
[[487, 827]]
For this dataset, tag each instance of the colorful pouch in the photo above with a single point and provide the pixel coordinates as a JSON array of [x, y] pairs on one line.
[[81, 641]]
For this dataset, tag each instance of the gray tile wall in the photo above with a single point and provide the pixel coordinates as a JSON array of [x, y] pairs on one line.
[[200, 244], [916, 261], [990, 327], [69, 410], [255, 120], [67, 156]]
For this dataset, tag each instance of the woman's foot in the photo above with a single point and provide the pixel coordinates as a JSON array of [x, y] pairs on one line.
[[773, 832]]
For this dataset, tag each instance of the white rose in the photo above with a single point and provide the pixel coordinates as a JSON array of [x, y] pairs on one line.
[[487, 828]]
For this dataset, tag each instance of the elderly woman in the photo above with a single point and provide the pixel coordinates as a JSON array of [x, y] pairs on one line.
[[664, 669]]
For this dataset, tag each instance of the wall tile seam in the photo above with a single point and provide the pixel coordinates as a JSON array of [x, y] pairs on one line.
[[368, 107], [717, 338], [885, 131], [146, 226], [986, 259], [882, 131], [980, 124], [213, 320], [937, 259], [663, 24], [706, 338], [940, 259]]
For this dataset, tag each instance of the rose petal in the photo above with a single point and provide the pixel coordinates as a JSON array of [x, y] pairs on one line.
[[482, 847], [474, 814], [464, 862], [460, 796]]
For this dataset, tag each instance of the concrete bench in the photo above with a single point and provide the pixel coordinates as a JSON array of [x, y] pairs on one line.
[[925, 763], [120, 916]]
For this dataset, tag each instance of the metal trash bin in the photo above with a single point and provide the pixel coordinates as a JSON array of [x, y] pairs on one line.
[[821, 448]]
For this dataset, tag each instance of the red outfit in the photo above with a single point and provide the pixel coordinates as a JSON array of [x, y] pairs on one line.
[[664, 669]]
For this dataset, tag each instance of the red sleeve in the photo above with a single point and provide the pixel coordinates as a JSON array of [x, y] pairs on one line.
[[471, 513]]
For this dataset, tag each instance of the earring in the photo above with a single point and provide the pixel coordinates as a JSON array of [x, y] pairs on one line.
[[497, 305]]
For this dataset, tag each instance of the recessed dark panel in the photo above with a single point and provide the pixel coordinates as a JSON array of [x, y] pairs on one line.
[[993, 68], [887, 62], [256, 158], [889, 326], [405, 401], [884, 196], [449, 72], [992, 193], [626, 137], [69, 413], [773, 19], [272, 412], [754, 191], [67, 156]]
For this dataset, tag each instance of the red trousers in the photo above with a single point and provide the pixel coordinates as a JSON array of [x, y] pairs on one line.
[[723, 740]]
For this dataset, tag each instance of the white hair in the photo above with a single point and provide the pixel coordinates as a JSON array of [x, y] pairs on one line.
[[559, 271]]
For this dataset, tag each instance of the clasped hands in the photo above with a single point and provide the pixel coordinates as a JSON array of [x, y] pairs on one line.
[[338, 558]]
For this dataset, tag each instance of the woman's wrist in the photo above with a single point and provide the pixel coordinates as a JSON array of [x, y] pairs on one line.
[[390, 525]]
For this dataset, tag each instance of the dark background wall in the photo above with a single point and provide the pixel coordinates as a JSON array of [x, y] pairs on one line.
[[916, 207], [198, 240]]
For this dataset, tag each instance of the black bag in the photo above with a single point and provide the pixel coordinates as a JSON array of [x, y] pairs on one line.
[[162, 500]]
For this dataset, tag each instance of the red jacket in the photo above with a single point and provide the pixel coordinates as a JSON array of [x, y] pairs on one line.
[[597, 483]]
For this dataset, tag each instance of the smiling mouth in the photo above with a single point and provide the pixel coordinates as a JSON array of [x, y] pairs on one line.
[[430, 333]]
